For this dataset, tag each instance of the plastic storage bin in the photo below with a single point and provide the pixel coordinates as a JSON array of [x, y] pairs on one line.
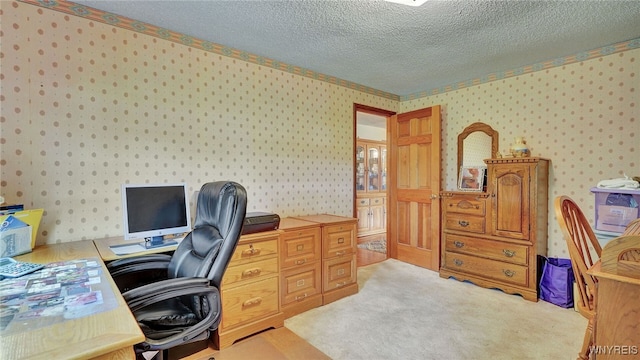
[[615, 208]]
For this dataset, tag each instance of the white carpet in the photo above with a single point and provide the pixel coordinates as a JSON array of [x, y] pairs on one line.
[[406, 312]]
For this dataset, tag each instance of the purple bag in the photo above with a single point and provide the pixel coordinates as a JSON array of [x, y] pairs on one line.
[[556, 284]]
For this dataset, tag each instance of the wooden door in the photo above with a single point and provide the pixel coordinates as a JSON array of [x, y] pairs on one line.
[[413, 228]]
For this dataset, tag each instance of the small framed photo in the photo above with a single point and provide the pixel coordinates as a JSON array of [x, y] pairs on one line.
[[472, 178]]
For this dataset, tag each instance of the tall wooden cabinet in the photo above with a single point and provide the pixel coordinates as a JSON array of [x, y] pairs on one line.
[[494, 239], [371, 186]]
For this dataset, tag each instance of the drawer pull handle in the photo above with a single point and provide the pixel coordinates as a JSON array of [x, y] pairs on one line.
[[339, 253], [300, 247], [509, 253], [458, 244], [341, 284], [458, 262], [508, 273], [252, 302], [251, 272], [300, 283], [341, 240], [300, 262], [251, 251], [463, 223], [301, 297]]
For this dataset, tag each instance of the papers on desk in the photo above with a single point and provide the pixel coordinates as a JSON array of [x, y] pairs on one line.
[[60, 291]]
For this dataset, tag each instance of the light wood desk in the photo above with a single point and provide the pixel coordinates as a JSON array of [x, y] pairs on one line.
[[104, 248], [616, 328], [106, 335]]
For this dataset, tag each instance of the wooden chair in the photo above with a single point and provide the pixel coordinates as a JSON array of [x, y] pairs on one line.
[[633, 228], [584, 250]]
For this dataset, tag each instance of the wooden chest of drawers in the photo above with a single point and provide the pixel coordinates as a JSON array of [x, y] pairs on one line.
[[250, 289], [494, 239]]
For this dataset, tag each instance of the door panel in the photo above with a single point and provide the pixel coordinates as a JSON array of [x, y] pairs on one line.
[[510, 192], [414, 159]]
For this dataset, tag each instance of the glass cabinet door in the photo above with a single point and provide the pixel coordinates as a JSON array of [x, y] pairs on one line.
[[374, 169], [360, 170], [383, 168]]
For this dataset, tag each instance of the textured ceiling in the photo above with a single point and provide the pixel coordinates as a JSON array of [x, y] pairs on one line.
[[395, 48]]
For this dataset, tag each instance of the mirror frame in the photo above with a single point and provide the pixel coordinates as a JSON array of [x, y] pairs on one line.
[[477, 126]]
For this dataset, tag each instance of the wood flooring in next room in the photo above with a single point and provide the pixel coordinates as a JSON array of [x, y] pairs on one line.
[[367, 257]]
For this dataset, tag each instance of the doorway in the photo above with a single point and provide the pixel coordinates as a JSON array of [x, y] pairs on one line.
[[370, 182]]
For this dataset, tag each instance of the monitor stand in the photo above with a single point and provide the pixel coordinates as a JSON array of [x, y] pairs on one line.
[[158, 241]]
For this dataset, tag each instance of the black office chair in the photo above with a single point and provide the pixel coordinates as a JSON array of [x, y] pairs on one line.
[[176, 299]]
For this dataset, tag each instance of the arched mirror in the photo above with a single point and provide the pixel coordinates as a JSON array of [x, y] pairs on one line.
[[477, 142]]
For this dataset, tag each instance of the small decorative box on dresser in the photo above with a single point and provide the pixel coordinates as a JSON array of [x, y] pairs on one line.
[[301, 266], [250, 289], [339, 277], [493, 239]]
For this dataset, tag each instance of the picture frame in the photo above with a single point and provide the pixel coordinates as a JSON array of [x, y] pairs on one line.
[[472, 178]]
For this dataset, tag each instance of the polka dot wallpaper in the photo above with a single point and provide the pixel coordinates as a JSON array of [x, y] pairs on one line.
[[87, 106], [583, 117]]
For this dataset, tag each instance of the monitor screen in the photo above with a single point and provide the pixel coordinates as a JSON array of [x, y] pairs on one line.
[[152, 211]]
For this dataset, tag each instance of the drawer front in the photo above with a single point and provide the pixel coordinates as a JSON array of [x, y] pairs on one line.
[[486, 268], [463, 222], [377, 201], [254, 250], [466, 205], [338, 272], [250, 271], [300, 247], [339, 240], [301, 283], [249, 302], [363, 202], [497, 250]]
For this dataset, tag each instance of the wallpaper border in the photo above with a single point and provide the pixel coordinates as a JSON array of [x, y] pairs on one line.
[[152, 30]]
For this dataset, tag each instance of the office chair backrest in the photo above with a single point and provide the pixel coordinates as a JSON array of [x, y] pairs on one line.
[[207, 250]]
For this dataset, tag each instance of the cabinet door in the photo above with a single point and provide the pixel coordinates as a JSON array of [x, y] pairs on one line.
[[383, 168], [374, 178], [363, 217], [377, 214], [510, 193], [360, 168]]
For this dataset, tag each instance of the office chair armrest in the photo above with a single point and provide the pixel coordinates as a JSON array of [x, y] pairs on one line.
[[166, 289], [150, 295], [133, 272], [144, 262]]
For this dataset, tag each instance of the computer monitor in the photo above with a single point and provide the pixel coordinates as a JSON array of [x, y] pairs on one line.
[[152, 211]]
